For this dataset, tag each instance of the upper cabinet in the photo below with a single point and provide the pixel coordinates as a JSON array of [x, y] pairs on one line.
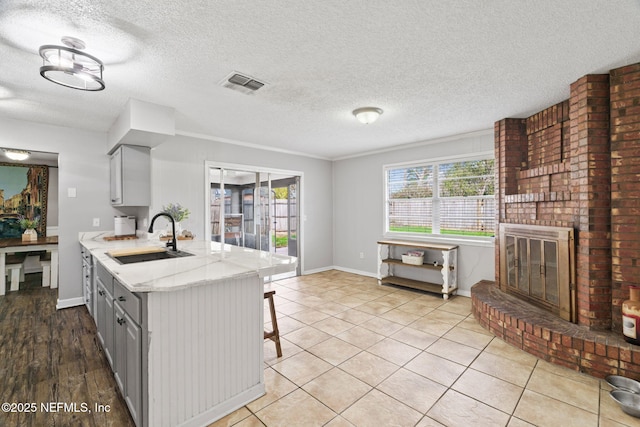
[[131, 176]]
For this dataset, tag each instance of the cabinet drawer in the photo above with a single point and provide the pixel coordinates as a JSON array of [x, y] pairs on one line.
[[129, 301], [105, 277], [86, 255]]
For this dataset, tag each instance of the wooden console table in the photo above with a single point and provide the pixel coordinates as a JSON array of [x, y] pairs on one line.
[[49, 244], [437, 258]]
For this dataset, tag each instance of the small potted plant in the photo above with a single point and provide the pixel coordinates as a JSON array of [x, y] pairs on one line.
[[29, 227], [178, 213]]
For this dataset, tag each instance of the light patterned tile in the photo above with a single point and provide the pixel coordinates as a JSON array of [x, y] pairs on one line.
[[337, 389], [354, 316], [457, 410], [250, 421], [394, 351], [412, 389], [504, 350], [428, 422], [307, 337], [302, 368], [435, 368], [332, 308], [233, 418], [514, 371], [382, 326], [453, 351], [309, 316], [555, 413], [360, 337], [296, 409], [492, 391], [333, 325], [577, 393], [369, 368], [468, 338], [276, 386], [443, 316], [431, 327], [414, 338], [288, 350], [377, 409], [334, 350], [399, 316]]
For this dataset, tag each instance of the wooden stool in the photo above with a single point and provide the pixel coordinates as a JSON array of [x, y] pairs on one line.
[[274, 335], [13, 268], [45, 262]]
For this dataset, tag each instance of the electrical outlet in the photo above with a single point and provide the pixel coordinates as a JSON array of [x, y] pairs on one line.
[[96, 222], [361, 255]]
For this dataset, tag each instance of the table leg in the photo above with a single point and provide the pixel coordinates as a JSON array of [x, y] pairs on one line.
[[3, 283], [54, 268]]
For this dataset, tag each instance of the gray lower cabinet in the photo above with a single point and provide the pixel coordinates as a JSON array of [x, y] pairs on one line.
[[118, 318], [104, 312]]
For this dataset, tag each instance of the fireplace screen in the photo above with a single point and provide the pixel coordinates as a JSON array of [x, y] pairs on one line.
[[537, 265]]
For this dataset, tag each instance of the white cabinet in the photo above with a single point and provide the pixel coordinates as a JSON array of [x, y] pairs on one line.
[[436, 273], [130, 169]]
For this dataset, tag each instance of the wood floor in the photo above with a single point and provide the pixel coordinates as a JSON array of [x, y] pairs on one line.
[[52, 358]]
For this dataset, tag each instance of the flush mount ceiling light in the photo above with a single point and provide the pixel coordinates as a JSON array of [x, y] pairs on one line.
[[68, 66], [367, 115], [16, 154]]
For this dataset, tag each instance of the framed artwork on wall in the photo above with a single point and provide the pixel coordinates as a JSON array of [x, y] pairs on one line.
[[23, 195]]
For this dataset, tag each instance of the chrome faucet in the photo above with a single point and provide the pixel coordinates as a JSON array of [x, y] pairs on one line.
[[173, 242]]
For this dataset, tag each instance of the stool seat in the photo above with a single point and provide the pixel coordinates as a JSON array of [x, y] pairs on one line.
[[274, 334]]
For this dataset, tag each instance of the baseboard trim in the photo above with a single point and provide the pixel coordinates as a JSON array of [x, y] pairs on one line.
[[71, 302], [354, 271]]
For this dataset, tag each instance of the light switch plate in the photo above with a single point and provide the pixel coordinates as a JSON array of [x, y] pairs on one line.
[[71, 192], [96, 222]]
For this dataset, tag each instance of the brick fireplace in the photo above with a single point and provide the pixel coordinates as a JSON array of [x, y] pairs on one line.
[[574, 165]]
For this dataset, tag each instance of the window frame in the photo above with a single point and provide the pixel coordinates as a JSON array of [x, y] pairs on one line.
[[435, 162]]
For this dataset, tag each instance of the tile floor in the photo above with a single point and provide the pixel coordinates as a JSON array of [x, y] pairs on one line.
[[358, 354]]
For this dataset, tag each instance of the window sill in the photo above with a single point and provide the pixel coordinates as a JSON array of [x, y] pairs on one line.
[[486, 242]]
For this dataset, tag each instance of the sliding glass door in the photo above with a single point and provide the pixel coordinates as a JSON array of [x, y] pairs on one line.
[[255, 209]]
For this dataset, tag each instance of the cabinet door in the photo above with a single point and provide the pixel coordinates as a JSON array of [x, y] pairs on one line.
[[101, 310], [116, 177], [120, 351], [133, 387], [104, 320], [108, 328]]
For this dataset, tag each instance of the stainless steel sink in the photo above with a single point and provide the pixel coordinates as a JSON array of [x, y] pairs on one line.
[[151, 256]]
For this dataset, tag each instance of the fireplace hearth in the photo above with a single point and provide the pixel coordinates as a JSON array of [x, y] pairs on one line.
[[572, 168]]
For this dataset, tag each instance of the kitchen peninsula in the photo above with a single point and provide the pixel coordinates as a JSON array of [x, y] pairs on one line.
[[184, 336]]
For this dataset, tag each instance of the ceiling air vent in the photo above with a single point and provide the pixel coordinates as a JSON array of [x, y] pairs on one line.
[[241, 83]]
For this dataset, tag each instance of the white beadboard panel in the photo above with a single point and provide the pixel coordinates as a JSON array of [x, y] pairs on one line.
[[205, 351]]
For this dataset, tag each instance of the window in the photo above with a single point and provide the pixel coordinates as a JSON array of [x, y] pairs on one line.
[[447, 198]]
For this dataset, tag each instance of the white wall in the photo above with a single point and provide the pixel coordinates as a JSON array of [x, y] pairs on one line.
[[358, 207], [177, 176], [344, 196], [83, 165]]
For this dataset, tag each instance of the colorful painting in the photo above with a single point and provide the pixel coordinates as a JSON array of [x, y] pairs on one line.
[[23, 195]]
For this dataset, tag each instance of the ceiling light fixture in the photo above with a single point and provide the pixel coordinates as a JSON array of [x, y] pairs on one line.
[[367, 115], [16, 154], [68, 66]]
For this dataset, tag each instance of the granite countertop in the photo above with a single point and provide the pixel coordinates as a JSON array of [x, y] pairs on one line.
[[211, 262]]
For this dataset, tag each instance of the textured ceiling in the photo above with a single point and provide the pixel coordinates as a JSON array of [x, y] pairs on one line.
[[436, 68]]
